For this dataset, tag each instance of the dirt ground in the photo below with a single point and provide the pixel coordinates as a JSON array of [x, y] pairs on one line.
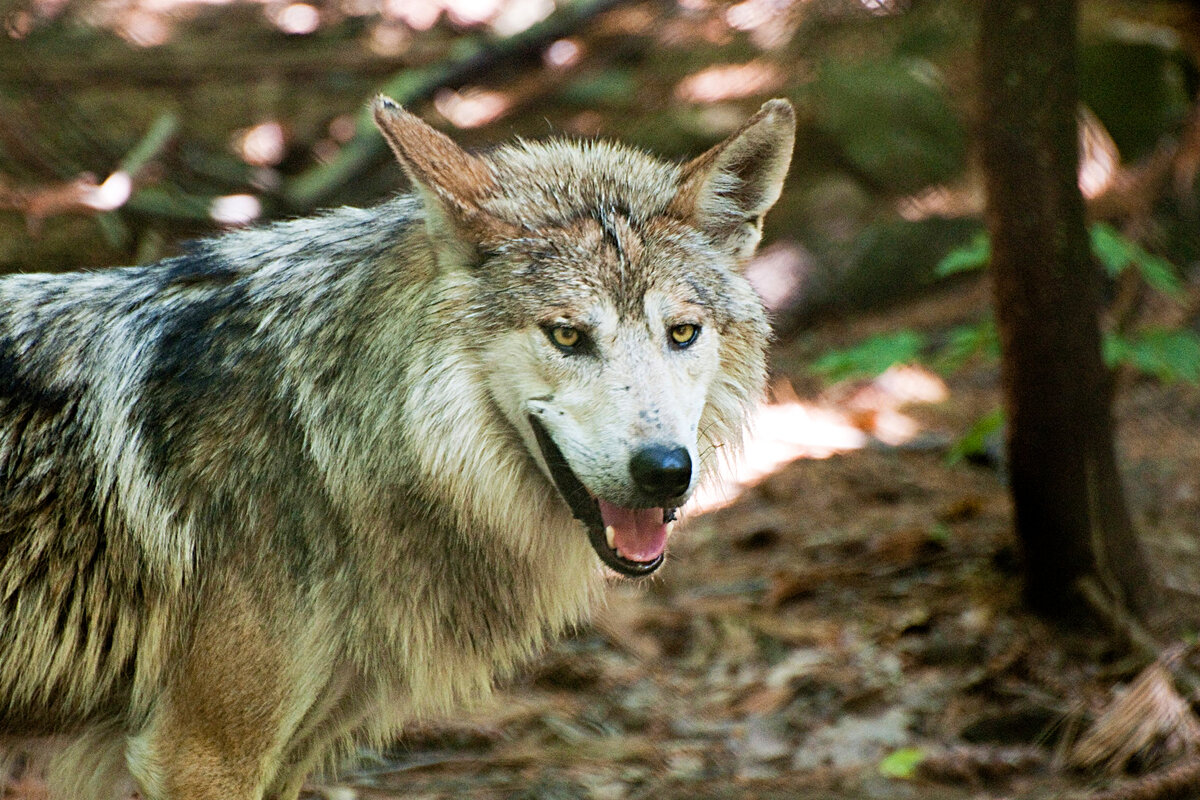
[[846, 627]]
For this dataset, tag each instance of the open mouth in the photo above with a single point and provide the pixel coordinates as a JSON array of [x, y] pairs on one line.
[[628, 540]]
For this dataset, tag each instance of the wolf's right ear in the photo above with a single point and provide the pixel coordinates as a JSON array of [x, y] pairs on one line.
[[727, 190], [452, 183]]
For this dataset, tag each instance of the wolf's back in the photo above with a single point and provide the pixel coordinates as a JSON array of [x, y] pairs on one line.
[[148, 425]]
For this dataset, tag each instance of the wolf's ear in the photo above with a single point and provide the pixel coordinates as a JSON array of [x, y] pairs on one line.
[[727, 190], [452, 182]]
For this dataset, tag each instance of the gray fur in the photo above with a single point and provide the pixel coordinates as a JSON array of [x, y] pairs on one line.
[[278, 494]]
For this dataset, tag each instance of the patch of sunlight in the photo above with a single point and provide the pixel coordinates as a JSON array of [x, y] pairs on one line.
[[789, 428], [779, 433], [298, 19], [262, 145], [472, 106], [110, 195], [1098, 155], [729, 82], [563, 53], [235, 209]]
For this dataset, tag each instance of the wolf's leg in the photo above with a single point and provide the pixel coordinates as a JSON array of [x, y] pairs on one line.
[[219, 727], [326, 734]]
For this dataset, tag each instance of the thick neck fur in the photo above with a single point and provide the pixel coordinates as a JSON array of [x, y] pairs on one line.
[[419, 457]]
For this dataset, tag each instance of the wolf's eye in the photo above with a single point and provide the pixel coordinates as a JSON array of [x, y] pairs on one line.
[[683, 335], [565, 338]]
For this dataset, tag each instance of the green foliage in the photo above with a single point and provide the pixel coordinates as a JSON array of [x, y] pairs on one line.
[[875, 355], [1116, 253], [870, 357], [902, 763], [966, 342], [1166, 354], [1169, 355], [974, 442], [972, 256], [893, 121]]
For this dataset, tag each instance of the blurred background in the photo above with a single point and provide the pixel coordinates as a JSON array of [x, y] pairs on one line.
[[842, 618], [127, 125]]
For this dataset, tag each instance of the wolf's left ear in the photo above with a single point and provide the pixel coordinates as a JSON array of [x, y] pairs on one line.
[[727, 190], [452, 182]]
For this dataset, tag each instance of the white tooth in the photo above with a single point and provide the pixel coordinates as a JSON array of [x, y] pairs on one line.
[[610, 535], [670, 527]]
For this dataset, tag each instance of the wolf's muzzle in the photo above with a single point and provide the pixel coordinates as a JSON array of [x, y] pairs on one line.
[[587, 509]]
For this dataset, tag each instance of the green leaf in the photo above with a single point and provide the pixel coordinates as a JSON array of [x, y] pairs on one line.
[[1160, 274], [902, 763], [1166, 354], [1113, 251], [975, 441], [967, 341], [1117, 253], [974, 255], [611, 86], [871, 357]]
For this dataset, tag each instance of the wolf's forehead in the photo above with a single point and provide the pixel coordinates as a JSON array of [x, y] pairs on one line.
[[552, 182], [610, 260]]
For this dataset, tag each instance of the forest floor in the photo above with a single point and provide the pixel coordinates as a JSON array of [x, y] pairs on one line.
[[846, 626]]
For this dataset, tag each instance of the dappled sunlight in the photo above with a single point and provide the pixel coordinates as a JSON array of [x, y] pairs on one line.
[[149, 23], [297, 19], [852, 417], [235, 210], [563, 53], [730, 82], [1099, 163], [262, 145], [1099, 158], [471, 107], [110, 195], [778, 272], [779, 433]]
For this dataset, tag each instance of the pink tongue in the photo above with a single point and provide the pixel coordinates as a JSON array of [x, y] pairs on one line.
[[639, 534]]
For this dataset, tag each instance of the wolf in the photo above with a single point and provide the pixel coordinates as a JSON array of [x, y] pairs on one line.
[[273, 498]]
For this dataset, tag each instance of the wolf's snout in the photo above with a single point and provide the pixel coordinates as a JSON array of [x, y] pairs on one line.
[[661, 471]]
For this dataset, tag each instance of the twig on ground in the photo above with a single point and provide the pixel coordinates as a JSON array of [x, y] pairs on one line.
[[1149, 722], [1180, 782]]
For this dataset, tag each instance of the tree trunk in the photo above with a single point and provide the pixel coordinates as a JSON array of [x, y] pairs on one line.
[[1069, 507]]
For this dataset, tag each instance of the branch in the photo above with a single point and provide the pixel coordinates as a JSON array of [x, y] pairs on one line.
[[83, 194], [311, 188]]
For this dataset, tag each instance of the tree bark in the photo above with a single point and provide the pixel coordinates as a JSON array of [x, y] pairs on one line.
[[1070, 514]]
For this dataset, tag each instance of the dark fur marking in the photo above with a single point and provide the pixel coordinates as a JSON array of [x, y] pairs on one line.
[[193, 368], [197, 265], [20, 387], [704, 295], [606, 216], [211, 397]]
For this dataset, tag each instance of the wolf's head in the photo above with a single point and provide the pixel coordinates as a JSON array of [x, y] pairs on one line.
[[619, 336]]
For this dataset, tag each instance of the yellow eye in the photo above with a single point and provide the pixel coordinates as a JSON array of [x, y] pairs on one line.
[[564, 336], [683, 335]]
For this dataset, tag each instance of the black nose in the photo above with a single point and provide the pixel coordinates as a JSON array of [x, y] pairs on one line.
[[660, 471]]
